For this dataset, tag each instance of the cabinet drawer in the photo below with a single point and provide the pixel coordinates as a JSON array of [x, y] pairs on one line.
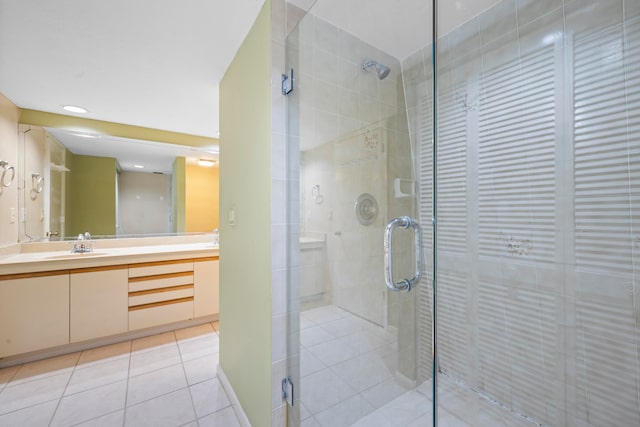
[[161, 314], [158, 295], [160, 281], [158, 268]]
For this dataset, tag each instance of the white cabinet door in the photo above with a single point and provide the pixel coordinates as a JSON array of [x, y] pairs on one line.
[[34, 313], [99, 303], [206, 300]]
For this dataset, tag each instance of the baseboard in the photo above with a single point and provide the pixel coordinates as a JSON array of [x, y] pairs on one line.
[[20, 359], [235, 403]]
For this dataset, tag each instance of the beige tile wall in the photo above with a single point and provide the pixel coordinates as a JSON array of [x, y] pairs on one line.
[[352, 133]]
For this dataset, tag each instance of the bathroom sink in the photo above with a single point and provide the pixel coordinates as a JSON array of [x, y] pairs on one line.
[[71, 255]]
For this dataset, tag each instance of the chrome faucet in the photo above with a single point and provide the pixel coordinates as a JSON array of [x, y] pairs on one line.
[[82, 244]]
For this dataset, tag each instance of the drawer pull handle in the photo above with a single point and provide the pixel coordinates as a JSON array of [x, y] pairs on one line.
[[160, 303], [160, 290]]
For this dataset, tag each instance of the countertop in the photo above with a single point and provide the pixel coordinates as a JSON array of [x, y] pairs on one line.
[[31, 262]]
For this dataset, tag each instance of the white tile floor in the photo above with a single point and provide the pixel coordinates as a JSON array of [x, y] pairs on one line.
[[162, 380], [348, 370]]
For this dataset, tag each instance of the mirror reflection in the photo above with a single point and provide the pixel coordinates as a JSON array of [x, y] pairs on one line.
[[74, 182]]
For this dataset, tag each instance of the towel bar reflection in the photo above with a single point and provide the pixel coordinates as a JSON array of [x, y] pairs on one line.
[[37, 185], [6, 167]]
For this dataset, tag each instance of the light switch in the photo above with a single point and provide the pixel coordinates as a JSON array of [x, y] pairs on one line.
[[232, 216], [12, 215]]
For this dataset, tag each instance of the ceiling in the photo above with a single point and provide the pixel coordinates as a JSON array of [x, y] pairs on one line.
[[149, 63], [158, 63]]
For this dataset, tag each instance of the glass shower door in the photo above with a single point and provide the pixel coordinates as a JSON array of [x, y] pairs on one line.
[[358, 352], [536, 154]]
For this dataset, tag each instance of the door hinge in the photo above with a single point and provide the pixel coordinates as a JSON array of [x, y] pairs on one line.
[[287, 83], [287, 390]]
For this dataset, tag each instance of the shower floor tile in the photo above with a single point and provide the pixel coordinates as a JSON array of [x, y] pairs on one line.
[[363, 361]]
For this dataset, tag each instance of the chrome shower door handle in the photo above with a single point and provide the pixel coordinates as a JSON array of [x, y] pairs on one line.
[[404, 284]]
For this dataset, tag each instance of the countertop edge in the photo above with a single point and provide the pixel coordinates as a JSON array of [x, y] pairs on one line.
[[43, 265]]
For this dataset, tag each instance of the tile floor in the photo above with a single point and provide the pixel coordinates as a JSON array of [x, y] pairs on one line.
[[348, 370], [168, 379]]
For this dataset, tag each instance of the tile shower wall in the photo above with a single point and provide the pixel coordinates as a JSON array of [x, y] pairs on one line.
[[539, 200]]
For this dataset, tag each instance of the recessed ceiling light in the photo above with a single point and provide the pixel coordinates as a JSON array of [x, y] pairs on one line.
[[206, 162], [138, 166], [75, 109]]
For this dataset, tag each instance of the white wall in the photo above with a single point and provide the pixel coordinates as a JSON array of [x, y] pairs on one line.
[[8, 152]]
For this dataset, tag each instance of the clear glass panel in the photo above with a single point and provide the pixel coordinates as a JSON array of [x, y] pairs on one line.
[[538, 156], [359, 353]]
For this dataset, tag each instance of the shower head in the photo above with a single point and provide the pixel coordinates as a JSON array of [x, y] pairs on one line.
[[381, 69]]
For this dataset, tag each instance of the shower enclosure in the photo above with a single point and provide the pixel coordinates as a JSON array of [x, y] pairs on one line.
[[525, 308]]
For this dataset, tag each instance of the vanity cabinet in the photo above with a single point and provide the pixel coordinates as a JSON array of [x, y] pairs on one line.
[[98, 302], [206, 273], [52, 308], [34, 312]]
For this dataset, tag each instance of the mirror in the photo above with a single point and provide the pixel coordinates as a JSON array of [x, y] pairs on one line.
[[72, 182]]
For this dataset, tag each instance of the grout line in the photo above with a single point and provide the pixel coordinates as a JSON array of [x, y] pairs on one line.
[[142, 402], [5, 385], [95, 418], [65, 389], [27, 407], [186, 380], [126, 392]]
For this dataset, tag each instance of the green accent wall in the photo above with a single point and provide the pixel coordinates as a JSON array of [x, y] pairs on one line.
[[92, 196], [245, 249], [179, 194]]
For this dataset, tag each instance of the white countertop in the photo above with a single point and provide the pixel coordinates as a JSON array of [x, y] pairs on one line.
[[30, 262]]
